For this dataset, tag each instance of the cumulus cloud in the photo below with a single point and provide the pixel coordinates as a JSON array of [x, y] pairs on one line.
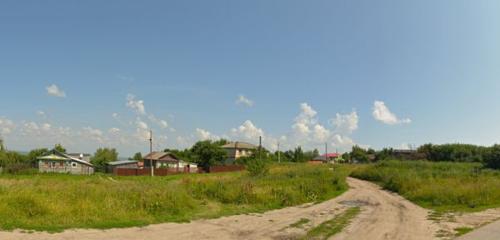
[[92, 134], [346, 123], [247, 131], [135, 104], [160, 122], [308, 132], [55, 91], [244, 100], [203, 134], [304, 120], [114, 130], [6, 126], [382, 114]]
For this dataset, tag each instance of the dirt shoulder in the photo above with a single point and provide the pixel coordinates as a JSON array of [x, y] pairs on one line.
[[384, 215]]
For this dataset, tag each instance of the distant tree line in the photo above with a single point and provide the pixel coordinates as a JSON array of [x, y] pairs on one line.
[[490, 156]]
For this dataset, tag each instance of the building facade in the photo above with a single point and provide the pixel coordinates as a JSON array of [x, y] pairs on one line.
[[56, 162], [236, 150]]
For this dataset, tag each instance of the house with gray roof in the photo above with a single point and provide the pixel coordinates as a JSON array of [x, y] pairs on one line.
[[236, 150], [57, 162]]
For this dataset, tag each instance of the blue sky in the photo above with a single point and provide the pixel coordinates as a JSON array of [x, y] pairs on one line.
[[395, 72]]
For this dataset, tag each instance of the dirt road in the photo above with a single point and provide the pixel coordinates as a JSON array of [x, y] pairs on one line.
[[384, 216]]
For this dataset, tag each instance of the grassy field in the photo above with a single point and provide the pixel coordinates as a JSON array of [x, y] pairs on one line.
[[333, 226], [57, 202], [442, 186]]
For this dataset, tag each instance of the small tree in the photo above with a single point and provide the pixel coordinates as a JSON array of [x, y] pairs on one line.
[[137, 156], [102, 157], [208, 153], [35, 153], [58, 147], [359, 154]]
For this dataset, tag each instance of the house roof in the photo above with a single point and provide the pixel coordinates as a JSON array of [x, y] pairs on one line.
[[58, 156], [161, 156], [320, 158], [122, 162], [331, 155], [239, 145]]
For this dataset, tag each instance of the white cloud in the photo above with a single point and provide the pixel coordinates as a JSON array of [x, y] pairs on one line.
[[309, 133], [161, 123], [136, 105], [92, 134], [304, 120], [346, 123], [203, 134], [247, 131], [244, 100], [53, 90], [382, 113], [321, 134], [141, 125], [6, 126], [114, 130]]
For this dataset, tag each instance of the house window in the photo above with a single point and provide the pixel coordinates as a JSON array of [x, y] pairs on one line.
[[61, 164], [74, 165]]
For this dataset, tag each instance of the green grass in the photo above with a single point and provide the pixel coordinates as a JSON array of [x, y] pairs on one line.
[[300, 223], [53, 203], [441, 186], [333, 226], [462, 231]]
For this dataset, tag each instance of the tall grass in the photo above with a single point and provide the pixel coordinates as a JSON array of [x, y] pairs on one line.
[[438, 185], [57, 202]]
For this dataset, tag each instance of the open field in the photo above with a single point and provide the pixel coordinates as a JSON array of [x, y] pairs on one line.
[[441, 186], [383, 215], [58, 202]]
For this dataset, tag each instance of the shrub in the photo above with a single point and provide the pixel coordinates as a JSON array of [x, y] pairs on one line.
[[257, 167]]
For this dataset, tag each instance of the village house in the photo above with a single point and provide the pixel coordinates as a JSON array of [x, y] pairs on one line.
[[128, 164], [327, 158], [167, 160], [236, 150], [57, 162]]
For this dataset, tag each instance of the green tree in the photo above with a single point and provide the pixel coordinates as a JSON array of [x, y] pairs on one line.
[[359, 154], [221, 142], [298, 155], [58, 147], [137, 156], [493, 157], [208, 153], [103, 156], [35, 153]]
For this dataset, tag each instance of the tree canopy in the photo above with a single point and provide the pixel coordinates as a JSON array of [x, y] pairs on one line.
[[208, 153], [103, 156]]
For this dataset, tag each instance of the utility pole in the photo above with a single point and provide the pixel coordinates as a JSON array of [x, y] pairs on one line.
[[151, 153], [326, 151], [279, 153], [260, 148]]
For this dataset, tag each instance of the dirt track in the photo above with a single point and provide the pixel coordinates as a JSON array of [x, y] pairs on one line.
[[384, 216]]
